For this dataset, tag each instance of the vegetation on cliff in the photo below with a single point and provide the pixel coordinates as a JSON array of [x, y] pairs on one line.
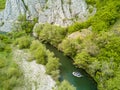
[[95, 49], [2, 4], [97, 53], [106, 15], [24, 40], [47, 32]]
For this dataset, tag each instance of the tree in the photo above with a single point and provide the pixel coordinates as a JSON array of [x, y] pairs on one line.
[[23, 42], [52, 67], [40, 55], [82, 60], [50, 33], [39, 52], [68, 47], [65, 85]]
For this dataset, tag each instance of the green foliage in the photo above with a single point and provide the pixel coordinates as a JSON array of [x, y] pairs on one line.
[[78, 26], [82, 60], [2, 4], [40, 55], [92, 2], [2, 63], [2, 46], [68, 47], [16, 34], [38, 29], [78, 41], [39, 52], [65, 85], [10, 74], [22, 18], [113, 83], [34, 45], [106, 15], [50, 33], [43, 56], [46, 1], [5, 39], [23, 42], [98, 54], [4, 43], [52, 67], [24, 24]]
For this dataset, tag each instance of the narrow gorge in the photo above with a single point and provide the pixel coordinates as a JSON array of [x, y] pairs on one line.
[[59, 44]]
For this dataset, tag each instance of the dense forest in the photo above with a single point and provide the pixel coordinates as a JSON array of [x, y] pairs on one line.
[[93, 45], [95, 49], [10, 74], [21, 38]]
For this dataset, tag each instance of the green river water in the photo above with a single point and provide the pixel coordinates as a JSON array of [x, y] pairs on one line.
[[81, 83]]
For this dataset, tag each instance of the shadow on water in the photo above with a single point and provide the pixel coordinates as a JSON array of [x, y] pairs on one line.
[[81, 83]]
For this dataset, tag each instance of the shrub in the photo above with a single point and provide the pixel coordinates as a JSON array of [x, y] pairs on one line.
[[23, 42], [10, 74], [52, 67], [82, 60], [68, 46], [2, 4], [65, 85], [51, 33], [40, 55], [77, 26], [37, 29], [34, 45], [2, 63], [92, 2], [25, 25], [2, 46], [39, 52]]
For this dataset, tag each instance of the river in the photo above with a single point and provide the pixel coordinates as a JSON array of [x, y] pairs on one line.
[[81, 83]]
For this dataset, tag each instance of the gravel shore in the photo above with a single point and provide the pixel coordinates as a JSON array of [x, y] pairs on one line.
[[34, 74]]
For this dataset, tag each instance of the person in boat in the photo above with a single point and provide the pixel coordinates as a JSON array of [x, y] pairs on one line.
[[77, 74]]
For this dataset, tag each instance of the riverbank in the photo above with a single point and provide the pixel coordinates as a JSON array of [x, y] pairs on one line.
[[35, 77], [67, 67]]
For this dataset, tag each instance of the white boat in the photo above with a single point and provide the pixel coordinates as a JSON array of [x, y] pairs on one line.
[[77, 74]]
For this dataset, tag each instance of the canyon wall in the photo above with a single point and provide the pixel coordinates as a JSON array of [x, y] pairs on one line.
[[58, 12]]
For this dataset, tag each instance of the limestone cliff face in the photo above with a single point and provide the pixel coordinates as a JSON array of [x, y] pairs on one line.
[[63, 12], [60, 12], [12, 10]]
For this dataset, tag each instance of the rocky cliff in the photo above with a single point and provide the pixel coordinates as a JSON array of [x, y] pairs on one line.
[[59, 12]]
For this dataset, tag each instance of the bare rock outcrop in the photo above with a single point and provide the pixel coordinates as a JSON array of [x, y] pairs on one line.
[[59, 12], [35, 77], [63, 12], [13, 9]]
